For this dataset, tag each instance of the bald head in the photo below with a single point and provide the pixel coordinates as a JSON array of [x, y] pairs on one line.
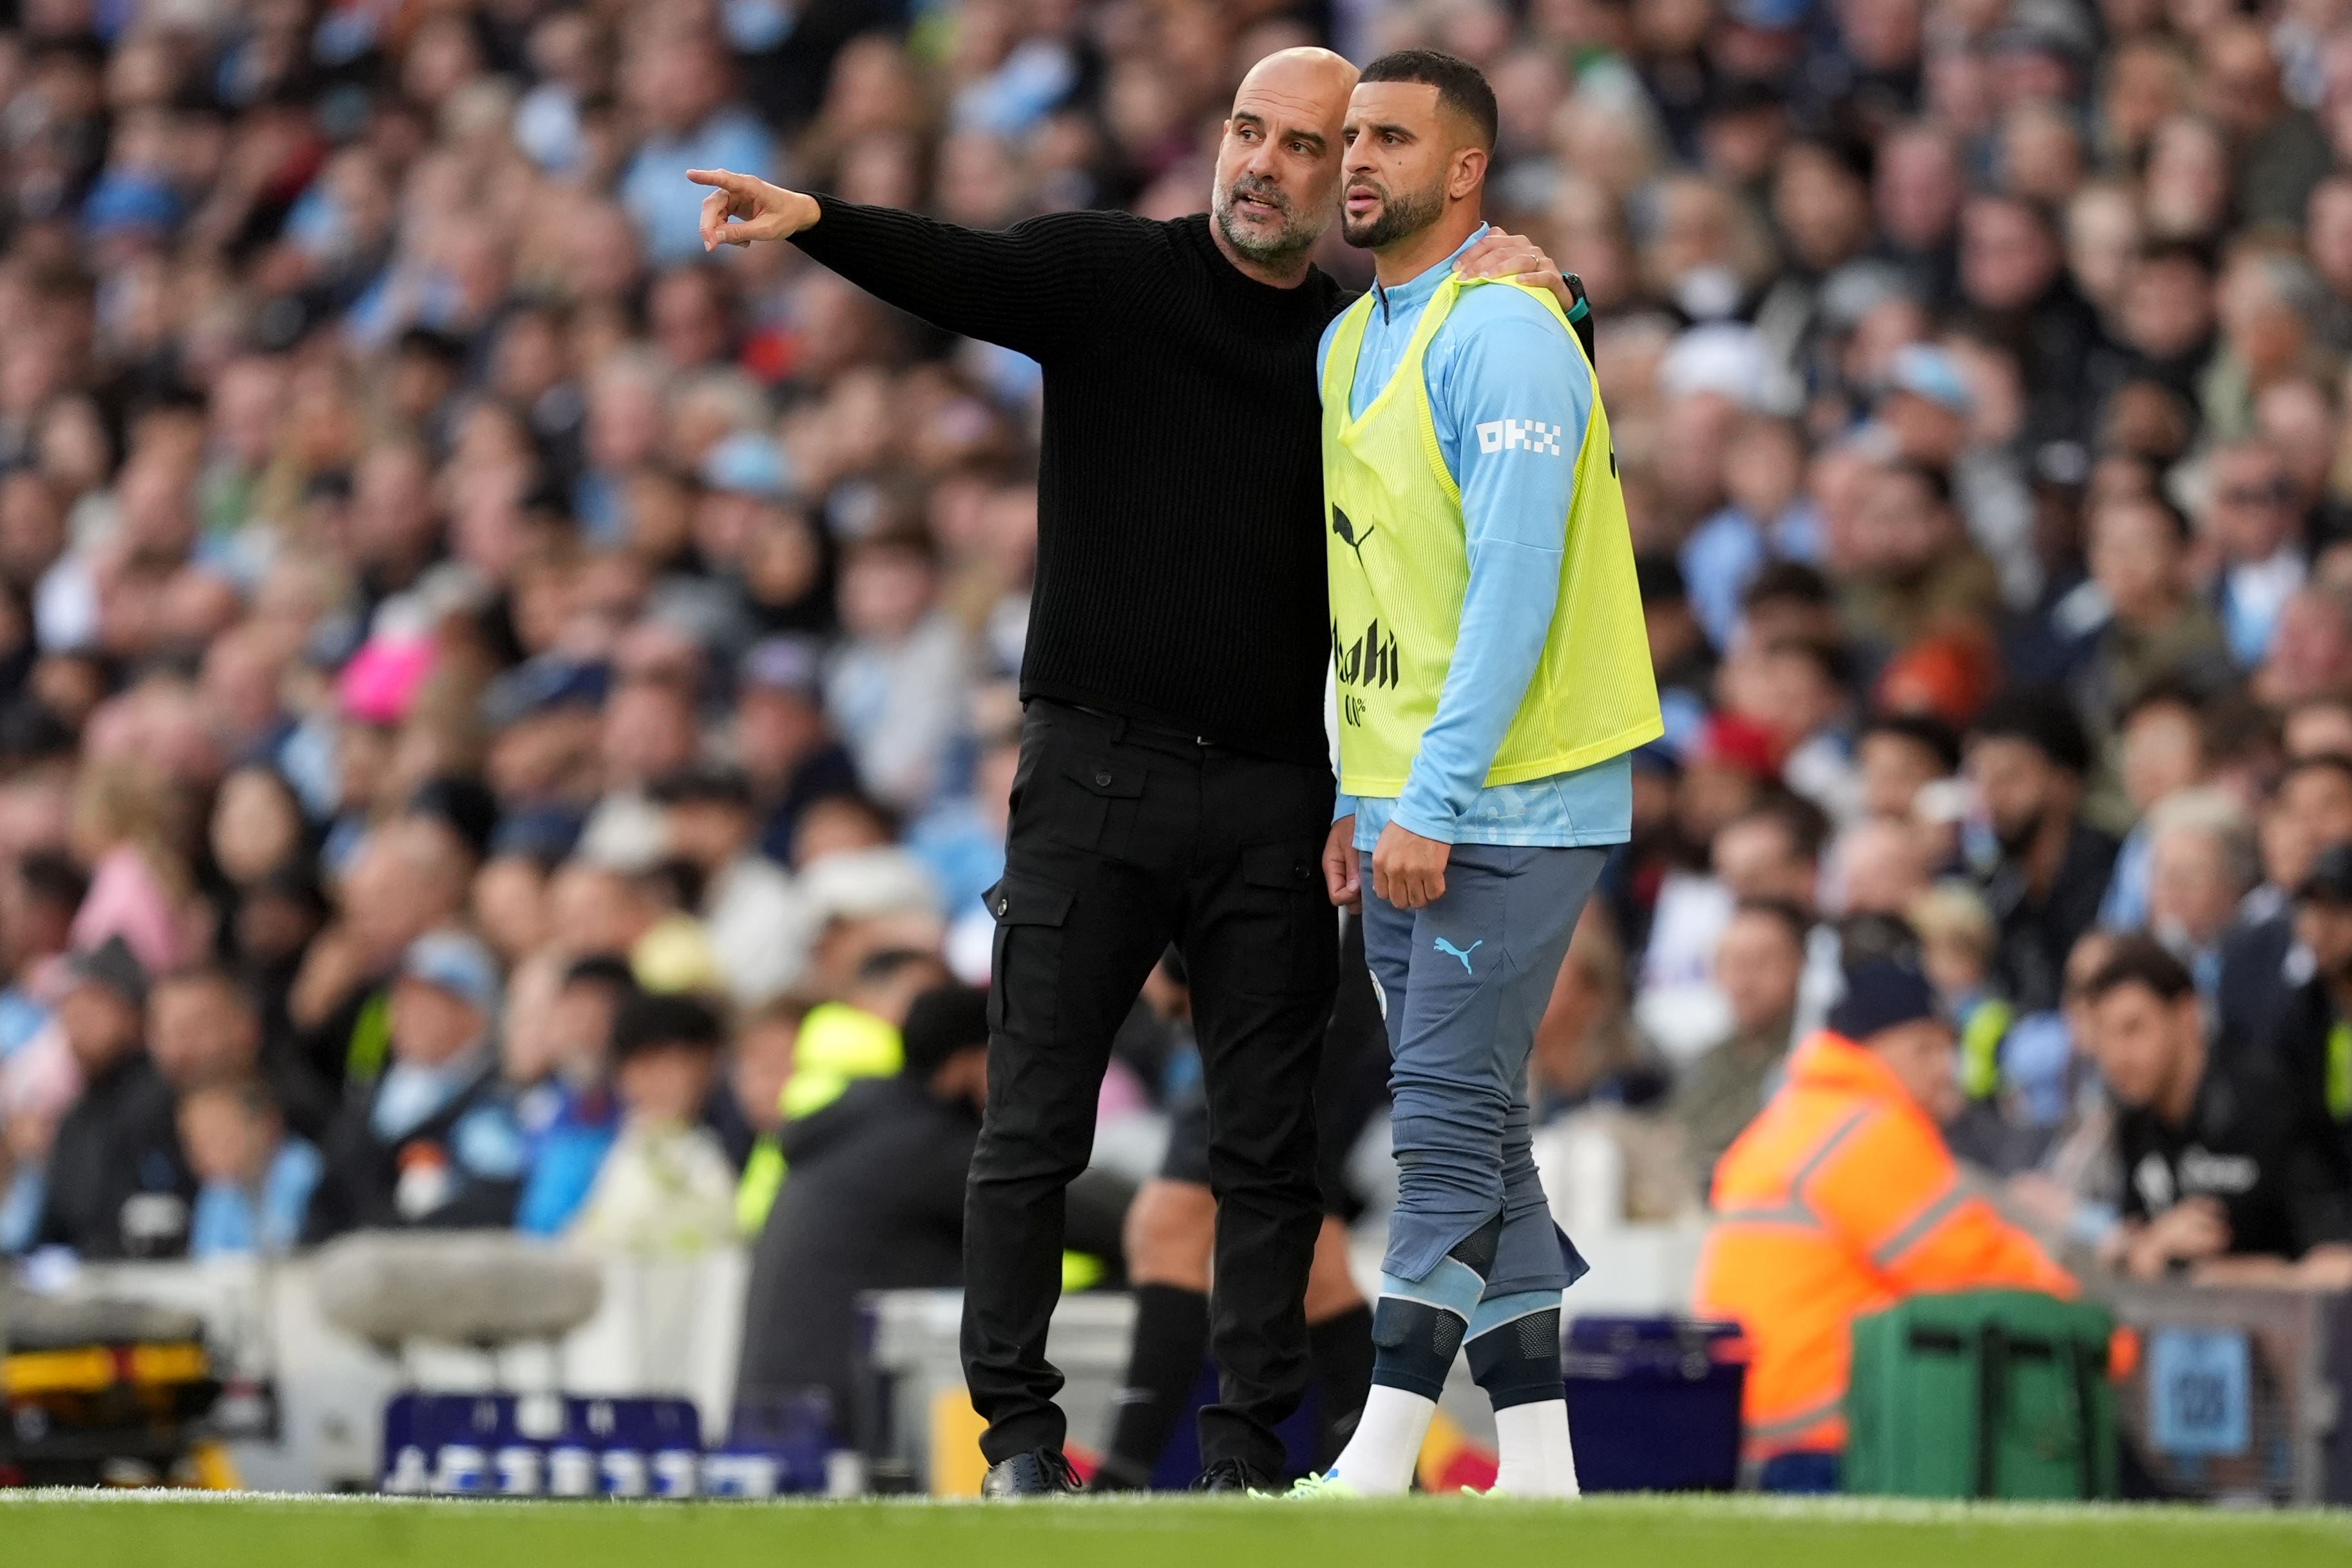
[[1278, 164], [1310, 83]]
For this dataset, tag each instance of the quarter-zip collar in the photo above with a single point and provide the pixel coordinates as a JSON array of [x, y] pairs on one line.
[[1414, 292]]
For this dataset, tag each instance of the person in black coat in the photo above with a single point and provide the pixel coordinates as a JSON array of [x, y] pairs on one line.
[[874, 1201], [433, 1142], [117, 1185]]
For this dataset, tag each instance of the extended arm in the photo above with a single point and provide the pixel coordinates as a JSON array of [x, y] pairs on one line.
[[1032, 288]]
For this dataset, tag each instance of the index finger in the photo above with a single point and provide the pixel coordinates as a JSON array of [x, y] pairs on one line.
[[725, 179]]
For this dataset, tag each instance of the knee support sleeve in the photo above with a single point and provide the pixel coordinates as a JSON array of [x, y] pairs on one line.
[[1515, 1350], [1413, 1345]]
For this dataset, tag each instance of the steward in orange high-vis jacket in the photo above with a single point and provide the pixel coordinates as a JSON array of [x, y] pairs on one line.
[[1840, 1199]]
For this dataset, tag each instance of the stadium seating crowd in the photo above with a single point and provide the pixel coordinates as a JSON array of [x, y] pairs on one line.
[[500, 710]]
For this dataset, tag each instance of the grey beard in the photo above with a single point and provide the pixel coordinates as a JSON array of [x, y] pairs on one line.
[[1285, 245], [1400, 215]]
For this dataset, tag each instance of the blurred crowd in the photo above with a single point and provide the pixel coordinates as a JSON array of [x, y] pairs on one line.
[[506, 719]]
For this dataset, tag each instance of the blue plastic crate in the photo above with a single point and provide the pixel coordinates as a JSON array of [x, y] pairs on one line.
[[1654, 1402]]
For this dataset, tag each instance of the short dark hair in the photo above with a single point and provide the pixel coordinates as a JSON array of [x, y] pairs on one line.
[[651, 1020], [1790, 580], [2043, 719], [1828, 659], [600, 969], [1461, 86], [53, 877], [2164, 691], [1805, 825], [2141, 960], [1922, 730], [2335, 763]]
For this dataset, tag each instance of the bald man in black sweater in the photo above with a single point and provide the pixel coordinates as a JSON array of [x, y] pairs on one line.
[[1175, 783]]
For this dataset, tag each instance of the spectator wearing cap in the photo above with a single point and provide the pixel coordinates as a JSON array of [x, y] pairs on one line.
[[783, 741], [667, 1187], [1841, 1199], [117, 1183], [756, 921], [2045, 870], [874, 1202], [863, 902], [1931, 416], [433, 1141], [2231, 1173], [786, 565]]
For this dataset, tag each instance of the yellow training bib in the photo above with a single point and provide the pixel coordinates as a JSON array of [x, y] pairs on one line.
[[1400, 566]]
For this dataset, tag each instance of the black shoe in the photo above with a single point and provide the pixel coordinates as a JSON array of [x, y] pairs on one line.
[[1039, 1472], [1234, 1475]]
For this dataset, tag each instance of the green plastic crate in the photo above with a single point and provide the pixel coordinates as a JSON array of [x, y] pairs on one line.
[[1982, 1394]]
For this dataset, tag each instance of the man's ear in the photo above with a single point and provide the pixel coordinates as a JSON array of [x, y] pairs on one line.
[[1468, 173]]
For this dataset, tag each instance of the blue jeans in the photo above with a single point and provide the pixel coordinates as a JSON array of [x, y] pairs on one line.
[[1463, 983]]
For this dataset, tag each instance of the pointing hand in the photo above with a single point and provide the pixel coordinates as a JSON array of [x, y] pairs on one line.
[[765, 211]]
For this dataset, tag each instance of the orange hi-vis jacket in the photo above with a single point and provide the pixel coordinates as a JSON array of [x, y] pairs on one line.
[[1839, 1199]]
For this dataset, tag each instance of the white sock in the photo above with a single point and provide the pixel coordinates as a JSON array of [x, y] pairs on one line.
[[1378, 1459], [1537, 1460]]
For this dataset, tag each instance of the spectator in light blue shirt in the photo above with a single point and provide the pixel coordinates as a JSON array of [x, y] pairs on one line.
[[254, 1180], [1766, 518], [681, 85]]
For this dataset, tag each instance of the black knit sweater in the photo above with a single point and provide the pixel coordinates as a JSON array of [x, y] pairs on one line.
[[1179, 501]]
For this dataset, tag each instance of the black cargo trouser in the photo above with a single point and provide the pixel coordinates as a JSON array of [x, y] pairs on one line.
[[1123, 839]]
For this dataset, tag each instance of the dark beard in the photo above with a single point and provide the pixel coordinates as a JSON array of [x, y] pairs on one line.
[[1400, 215], [2015, 844]]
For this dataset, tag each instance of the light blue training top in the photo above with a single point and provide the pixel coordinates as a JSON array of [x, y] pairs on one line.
[[1499, 354]]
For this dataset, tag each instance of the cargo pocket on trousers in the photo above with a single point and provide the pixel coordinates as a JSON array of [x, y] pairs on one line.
[[1283, 889], [1025, 968], [1102, 814]]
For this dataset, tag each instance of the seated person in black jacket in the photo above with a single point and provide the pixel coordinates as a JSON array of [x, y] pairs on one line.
[[433, 1142], [2229, 1175], [872, 1200], [2312, 1035], [117, 1185]]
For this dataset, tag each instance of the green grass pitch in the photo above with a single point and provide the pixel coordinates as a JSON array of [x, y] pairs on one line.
[[164, 1530]]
